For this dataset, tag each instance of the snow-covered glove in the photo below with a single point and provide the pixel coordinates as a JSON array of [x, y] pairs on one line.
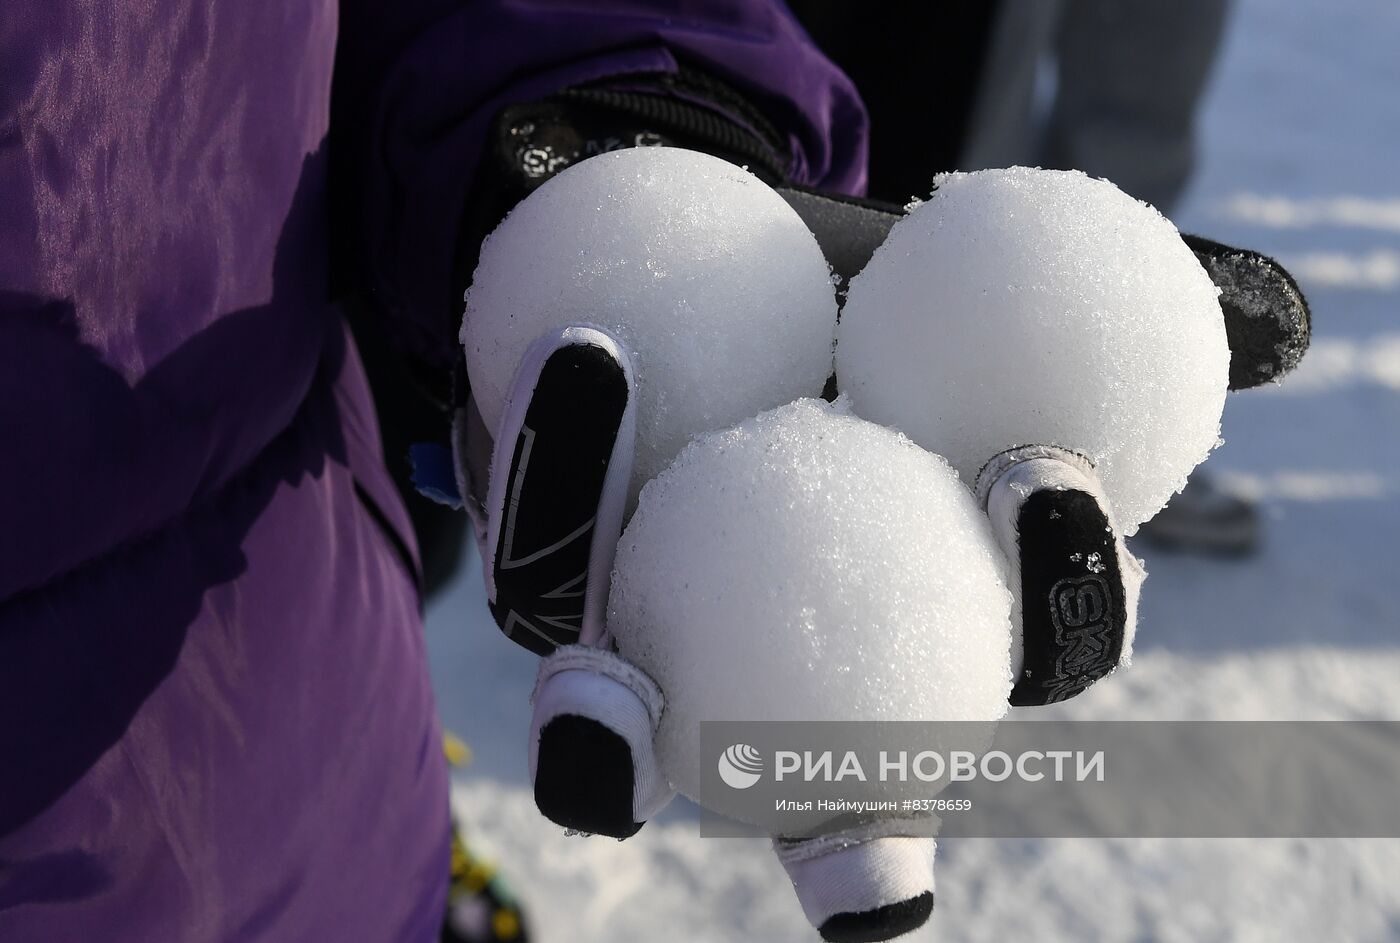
[[1075, 585], [550, 465], [555, 488], [1267, 321], [546, 490], [546, 494]]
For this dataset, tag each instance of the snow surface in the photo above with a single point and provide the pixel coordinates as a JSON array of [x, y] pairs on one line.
[[1041, 307], [701, 271], [1303, 114], [829, 569]]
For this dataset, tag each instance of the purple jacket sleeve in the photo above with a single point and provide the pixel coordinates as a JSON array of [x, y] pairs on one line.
[[419, 83]]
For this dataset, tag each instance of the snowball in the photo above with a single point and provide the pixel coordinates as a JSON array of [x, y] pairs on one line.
[[1025, 306], [810, 565], [701, 271]]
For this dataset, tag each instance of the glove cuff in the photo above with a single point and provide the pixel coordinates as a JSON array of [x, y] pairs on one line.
[[607, 666]]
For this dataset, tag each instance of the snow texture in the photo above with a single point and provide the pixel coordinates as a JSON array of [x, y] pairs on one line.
[[1302, 110], [809, 565], [1035, 307], [701, 271]]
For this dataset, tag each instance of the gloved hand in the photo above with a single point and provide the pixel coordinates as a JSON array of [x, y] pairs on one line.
[[1074, 583], [553, 512], [546, 493], [546, 490], [552, 517]]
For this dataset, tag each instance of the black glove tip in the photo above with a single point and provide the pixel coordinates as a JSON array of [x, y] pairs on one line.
[[583, 778], [882, 923]]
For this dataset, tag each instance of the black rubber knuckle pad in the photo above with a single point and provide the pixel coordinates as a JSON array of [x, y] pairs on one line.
[[1073, 606], [882, 923], [556, 476], [583, 777]]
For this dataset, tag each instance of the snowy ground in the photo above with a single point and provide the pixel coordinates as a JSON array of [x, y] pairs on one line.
[[1302, 136]]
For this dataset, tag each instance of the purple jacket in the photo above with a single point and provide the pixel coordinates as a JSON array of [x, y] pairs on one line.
[[215, 720]]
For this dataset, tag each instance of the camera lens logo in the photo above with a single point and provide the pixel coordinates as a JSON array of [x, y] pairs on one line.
[[740, 766]]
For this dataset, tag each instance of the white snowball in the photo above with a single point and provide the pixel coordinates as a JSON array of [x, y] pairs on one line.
[[704, 273], [810, 565], [1027, 306]]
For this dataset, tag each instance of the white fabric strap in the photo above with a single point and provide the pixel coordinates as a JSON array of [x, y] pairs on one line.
[[612, 503], [605, 664], [999, 464]]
